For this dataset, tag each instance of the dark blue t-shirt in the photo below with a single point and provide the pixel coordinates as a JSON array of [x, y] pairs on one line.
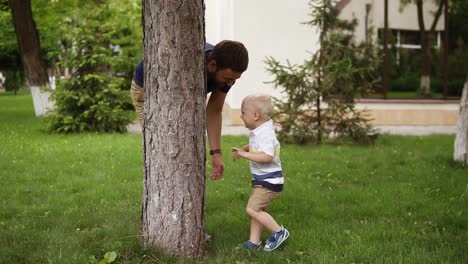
[[138, 76]]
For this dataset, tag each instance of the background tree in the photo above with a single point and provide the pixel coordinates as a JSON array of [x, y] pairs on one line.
[[53, 21], [458, 41], [405, 69], [320, 93], [426, 36], [174, 127], [10, 60], [29, 48]]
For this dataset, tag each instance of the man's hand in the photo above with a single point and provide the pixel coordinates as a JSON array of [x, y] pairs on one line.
[[218, 167]]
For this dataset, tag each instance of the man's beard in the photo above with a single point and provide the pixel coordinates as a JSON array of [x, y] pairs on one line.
[[211, 80]]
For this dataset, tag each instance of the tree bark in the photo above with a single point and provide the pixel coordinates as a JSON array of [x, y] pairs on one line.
[[437, 15], [29, 47], [446, 50], [461, 139], [424, 86], [174, 127], [385, 59]]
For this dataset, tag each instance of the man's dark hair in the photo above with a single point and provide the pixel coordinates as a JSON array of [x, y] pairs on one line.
[[230, 54]]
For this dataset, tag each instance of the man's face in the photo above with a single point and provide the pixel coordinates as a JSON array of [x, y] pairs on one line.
[[222, 77]]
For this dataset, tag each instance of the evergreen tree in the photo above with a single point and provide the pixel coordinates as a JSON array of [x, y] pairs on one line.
[[320, 94], [92, 98]]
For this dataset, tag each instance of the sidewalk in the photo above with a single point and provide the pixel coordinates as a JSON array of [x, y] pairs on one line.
[[135, 128], [417, 130], [394, 130]]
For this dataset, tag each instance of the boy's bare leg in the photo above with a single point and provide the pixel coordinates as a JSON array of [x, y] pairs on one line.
[[264, 219], [255, 231]]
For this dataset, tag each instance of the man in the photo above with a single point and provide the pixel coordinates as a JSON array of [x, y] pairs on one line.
[[225, 63]]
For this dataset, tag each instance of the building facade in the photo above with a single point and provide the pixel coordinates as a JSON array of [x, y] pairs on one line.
[[276, 28], [267, 28], [402, 21]]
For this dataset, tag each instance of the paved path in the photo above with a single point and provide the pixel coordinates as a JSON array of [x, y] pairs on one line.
[[417, 130], [394, 130]]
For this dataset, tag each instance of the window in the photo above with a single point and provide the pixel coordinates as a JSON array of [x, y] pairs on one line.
[[409, 37]]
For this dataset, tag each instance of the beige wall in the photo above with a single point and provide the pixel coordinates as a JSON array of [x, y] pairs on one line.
[[395, 114], [267, 28], [412, 114], [274, 28]]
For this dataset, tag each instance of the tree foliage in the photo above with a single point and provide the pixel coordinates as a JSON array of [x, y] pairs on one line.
[[92, 98], [53, 19], [320, 94], [10, 60]]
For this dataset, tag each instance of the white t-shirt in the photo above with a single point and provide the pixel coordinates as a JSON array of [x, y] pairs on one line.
[[269, 175]]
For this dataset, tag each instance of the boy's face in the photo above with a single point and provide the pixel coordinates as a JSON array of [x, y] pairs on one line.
[[249, 115], [223, 77]]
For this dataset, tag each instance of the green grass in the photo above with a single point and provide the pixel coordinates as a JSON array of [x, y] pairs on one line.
[[67, 198]]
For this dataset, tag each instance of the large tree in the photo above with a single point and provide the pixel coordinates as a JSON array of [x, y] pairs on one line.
[[29, 47], [173, 127]]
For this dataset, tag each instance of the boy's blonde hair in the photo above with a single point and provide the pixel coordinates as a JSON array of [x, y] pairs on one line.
[[262, 103]]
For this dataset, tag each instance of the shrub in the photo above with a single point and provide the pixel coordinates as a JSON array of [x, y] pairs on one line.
[[14, 80], [92, 98]]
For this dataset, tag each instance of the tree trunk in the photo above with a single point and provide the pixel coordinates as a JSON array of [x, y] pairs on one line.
[[461, 140], [30, 50], [385, 59], [437, 16], [174, 127], [424, 86]]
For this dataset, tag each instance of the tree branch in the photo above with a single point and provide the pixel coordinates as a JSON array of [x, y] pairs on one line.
[[437, 16]]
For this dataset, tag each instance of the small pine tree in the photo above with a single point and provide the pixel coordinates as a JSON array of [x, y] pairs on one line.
[[92, 98], [320, 94]]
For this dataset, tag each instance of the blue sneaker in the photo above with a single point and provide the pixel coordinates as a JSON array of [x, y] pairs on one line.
[[276, 239], [249, 246]]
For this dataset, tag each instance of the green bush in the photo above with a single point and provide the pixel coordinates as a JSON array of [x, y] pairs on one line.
[[94, 103], [406, 83], [92, 99], [14, 80], [437, 85], [454, 87]]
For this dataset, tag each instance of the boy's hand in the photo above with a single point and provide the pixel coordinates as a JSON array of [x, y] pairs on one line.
[[238, 153]]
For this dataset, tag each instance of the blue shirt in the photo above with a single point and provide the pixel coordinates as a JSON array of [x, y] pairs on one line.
[[138, 76]]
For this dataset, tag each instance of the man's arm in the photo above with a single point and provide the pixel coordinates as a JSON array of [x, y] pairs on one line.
[[214, 110]]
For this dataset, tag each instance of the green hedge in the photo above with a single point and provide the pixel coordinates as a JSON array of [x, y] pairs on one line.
[[409, 83], [455, 87]]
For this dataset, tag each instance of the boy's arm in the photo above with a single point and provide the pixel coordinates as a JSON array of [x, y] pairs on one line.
[[259, 157], [236, 153]]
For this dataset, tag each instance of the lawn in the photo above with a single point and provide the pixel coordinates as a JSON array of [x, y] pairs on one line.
[[73, 198]]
